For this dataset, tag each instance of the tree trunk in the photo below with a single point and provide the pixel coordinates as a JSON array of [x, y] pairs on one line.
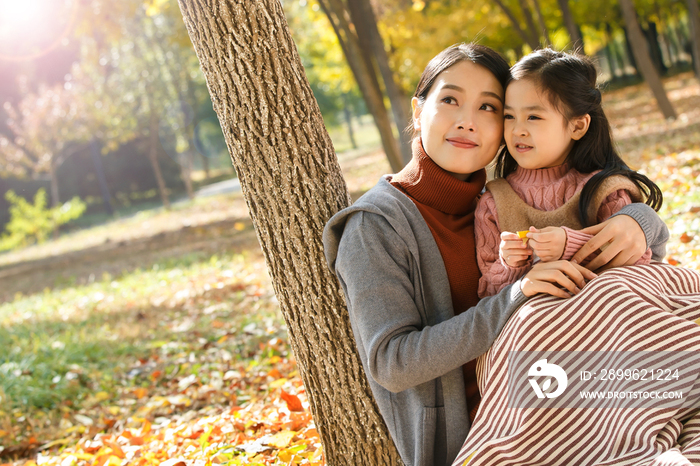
[[652, 36], [528, 38], [665, 43], [673, 48], [101, 179], [366, 76], [365, 21], [348, 122], [628, 50], [153, 157], [678, 38], [530, 22], [292, 185], [55, 199], [543, 26], [571, 27], [611, 61], [186, 171], [615, 53], [694, 23], [186, 158], [645, 66], [205, 166]]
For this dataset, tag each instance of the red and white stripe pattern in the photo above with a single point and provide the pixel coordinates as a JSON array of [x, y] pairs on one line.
[[642, 308]]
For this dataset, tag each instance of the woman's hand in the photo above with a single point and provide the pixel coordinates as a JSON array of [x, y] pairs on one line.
[[548, 243], [620, 239], [513, 250], [551, 277]]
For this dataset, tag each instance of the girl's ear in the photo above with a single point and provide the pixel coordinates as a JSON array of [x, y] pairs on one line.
[[416, 108], [579, 126]]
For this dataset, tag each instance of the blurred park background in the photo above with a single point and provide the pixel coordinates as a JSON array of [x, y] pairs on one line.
[[137, 321]]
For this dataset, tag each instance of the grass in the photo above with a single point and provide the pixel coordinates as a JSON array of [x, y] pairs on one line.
[[365, 135], [82, 352]]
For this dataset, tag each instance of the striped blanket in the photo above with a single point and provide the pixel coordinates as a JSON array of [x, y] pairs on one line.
[[645, 309]]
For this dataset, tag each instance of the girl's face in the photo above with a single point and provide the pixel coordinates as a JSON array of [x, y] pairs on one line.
[[461, 120], [536, 133]]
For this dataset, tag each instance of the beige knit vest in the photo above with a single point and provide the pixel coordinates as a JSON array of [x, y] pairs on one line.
[[515, 215]]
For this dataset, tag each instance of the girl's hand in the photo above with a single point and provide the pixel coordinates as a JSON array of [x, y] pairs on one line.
[[548, 243], [551, 277], [513, 250], [621, 240]]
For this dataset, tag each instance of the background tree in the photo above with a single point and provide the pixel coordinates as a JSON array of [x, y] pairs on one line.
[[292, 185], [365, 22], [92, 45], [571, 26], [415, 34], [529, 33], [47, 127], [355, 28], [642, 58], [328, 73], [694, 26]]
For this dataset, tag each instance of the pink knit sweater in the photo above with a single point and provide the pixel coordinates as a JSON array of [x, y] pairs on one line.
[[545, 189]]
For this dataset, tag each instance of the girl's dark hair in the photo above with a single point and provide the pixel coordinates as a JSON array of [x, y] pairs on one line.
[[568, 80], [475, 53]]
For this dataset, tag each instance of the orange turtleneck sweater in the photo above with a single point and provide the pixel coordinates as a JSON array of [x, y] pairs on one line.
[[447, 205]]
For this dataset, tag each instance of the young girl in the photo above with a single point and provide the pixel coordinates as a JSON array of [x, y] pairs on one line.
[[558, 173], [398, 253]]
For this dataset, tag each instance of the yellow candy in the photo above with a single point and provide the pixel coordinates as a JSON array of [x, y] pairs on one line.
[[521, 234]]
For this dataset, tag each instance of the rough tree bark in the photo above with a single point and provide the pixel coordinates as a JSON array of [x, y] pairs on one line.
[[292, 185], [640, 51]]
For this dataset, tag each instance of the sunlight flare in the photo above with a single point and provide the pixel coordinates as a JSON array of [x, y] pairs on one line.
[[31, 28]]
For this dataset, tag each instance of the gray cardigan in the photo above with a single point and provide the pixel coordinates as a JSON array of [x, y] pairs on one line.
[[411, 343]]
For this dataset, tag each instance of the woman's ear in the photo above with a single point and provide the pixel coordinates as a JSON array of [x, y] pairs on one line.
[[579, 126], [416, 108]]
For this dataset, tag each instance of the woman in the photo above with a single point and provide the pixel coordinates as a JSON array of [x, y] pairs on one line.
[[404, 255]]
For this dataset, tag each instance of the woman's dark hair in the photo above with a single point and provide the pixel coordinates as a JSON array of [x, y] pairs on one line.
[[475, 53], [568, 80]]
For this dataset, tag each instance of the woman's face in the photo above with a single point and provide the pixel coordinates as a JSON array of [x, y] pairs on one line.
[[461, 120]]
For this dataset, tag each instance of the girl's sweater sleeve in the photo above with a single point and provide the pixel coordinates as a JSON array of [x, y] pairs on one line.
[[495, 274], [612, 205], [374, 266]]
